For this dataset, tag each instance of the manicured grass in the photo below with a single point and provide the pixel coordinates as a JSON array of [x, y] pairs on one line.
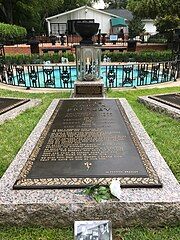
[[167, 233], [32, 233], [14, 133], [163, 130]]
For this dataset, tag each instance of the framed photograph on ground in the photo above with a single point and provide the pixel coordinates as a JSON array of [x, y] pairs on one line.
[[93, 230]]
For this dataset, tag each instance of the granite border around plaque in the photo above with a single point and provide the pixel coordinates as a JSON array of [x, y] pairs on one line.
[[152, 102], [163, 99], [53, 207], [17, 102], [13, 111]]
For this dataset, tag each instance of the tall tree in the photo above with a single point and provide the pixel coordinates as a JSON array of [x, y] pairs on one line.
[[165, 12], [110, 4], [136, 27], [72, 4], [144, 8], [6, 11], [32, 13], [154, 8]]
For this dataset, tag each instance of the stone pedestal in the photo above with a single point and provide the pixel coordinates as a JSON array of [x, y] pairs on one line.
[[89, 88]]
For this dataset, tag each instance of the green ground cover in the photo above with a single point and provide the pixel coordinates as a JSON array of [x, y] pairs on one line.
[[168, 233], [163, 130], [14, 133], [142, 56]]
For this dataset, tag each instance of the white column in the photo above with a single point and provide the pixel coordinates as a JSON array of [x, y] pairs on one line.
[[49, 27]]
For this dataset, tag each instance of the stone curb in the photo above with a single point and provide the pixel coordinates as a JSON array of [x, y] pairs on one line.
[[61, 207]]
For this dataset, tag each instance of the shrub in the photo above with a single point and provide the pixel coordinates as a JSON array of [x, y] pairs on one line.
[[144, 56], [157, 38], [10, 33], [37, 59]]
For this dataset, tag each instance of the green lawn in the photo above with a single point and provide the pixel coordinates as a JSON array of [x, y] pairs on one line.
[[163, 130], [32, 233], [15, 132]]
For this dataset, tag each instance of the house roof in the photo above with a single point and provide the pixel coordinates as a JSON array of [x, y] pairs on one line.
[[124, 13], [80, 8]]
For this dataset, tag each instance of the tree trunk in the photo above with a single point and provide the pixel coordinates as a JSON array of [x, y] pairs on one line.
[[8, 10]]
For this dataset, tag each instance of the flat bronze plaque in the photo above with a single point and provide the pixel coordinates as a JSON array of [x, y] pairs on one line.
[[87, 142], [89, 90], [172, 99], [7, 104]]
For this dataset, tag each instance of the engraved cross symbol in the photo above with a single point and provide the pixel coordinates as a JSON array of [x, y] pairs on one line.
[[88, 165]]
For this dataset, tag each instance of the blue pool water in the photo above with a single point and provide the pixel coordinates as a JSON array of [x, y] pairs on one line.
[[117, 78]]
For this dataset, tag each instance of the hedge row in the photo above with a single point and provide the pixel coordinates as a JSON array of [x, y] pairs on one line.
[[10, 32], [153, 56], [144, 56], [37, 59], [157, 38]]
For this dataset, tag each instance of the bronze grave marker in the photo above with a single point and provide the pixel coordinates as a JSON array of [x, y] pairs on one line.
[[87, 142], [172, 99], [7, 104]]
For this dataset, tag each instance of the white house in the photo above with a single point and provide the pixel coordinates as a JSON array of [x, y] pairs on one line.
[[110, 20], [64, 22]]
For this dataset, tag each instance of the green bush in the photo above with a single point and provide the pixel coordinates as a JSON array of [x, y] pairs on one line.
[[144, 56], [157, 38], [37, 59], [10, 33]]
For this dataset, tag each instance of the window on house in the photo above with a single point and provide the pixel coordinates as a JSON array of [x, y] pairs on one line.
[[58, 28]]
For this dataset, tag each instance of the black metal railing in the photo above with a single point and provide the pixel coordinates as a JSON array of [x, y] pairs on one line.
[[113, 76]]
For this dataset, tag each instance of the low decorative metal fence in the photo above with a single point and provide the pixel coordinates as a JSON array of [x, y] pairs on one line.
[[113, 75]]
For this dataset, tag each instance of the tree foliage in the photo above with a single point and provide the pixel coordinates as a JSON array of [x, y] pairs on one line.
[[154, 8], [165, 12], [144, 8], [72, 4], [110, 4], [163, 22], [32, 13], [10, 32], [136, 27]]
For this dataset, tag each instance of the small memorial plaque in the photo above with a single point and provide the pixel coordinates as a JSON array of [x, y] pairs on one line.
[[88, 142], [7, 104], [88, 89]]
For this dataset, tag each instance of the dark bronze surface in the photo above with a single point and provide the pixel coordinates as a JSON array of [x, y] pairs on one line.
[[86, 30], [7, 104], [172, 99], [90, 90], [87, 142]]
